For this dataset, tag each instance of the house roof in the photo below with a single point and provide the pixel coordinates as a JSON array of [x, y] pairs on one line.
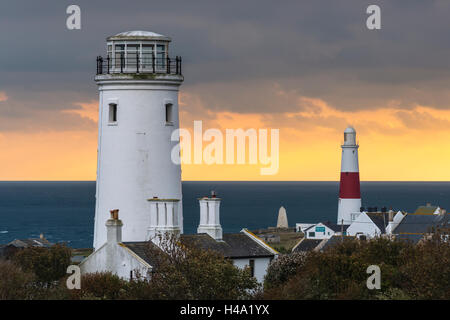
[[233, 245], [334, 240], [32, 242], [336, 227], [426, 209], [143, 250], [414, 238], [138, 35], [306, 245], [381, 220], [422, 223]]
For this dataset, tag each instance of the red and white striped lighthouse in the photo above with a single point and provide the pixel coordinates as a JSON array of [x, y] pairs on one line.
[[349, 190]]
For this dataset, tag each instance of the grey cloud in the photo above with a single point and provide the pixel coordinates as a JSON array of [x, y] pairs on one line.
[[318, 49]]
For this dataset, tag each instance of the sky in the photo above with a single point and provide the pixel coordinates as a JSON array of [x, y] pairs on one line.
[[307, 68]]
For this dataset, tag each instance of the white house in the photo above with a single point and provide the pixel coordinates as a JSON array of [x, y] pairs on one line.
[[324, 230], [373, 224], [127, 259]]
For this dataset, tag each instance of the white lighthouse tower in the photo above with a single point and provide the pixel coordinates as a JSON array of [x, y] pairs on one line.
[[349, 189], [138, 111]]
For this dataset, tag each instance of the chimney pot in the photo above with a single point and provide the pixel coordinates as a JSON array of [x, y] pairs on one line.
[[114, 214]]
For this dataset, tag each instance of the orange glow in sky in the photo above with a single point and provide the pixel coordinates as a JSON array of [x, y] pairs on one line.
[[406, 145]]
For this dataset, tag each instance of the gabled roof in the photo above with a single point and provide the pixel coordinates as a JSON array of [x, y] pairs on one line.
[[422, 223], [426, 209], [336, 227], [143, 250], [233, 245], [32, 242], [306, 245], [380, 220]]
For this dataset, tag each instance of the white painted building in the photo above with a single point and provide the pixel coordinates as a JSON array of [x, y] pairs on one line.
[[138, 85], [324, 230], [349, 188], [138, 111], [374, 224], [129, 259]]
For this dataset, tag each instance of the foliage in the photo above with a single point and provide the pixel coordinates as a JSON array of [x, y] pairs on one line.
[[185, 271], [407, 272], [15, 283], [48, 264], [283, 268]]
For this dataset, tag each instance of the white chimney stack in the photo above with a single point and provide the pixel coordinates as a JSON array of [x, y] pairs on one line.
[[210, 216], [163, 218], [114, 227]]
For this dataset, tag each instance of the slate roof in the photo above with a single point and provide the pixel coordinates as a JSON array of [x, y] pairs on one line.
[[334, 240], [422, 223], [307, 245], [25, 243], [143, 250], [414, 238], [336, 227], [426, 210], [233, 245], [332, 226], [380, 220]]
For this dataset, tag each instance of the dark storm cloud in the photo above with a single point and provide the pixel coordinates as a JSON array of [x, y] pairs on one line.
[[319, 49]]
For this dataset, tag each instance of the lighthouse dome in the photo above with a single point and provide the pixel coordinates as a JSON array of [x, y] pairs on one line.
[[350, 129], [139, 35]]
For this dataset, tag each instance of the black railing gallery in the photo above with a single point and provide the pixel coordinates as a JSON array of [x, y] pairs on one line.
[[136, 64]]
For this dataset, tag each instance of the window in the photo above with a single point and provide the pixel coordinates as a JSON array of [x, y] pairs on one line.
[[132, 50], [161, 56], [311, 234], [147, 54], [252, 267], [169, 114], [118, 52], [112, 112]]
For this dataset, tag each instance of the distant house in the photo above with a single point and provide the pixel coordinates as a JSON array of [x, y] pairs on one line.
[[10, 248], [324, 230], [428, 209], [126, 259]]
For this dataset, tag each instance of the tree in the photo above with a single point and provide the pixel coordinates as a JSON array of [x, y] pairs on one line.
[[15, 284], [185, 271], [48, 264]]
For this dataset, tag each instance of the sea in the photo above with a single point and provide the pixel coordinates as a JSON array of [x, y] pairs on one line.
[[64, 211]]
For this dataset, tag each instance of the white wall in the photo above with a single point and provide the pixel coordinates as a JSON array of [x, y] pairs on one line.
[[116, 259], [134, 155], [261, 265], [363, 225], [319, 235]]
